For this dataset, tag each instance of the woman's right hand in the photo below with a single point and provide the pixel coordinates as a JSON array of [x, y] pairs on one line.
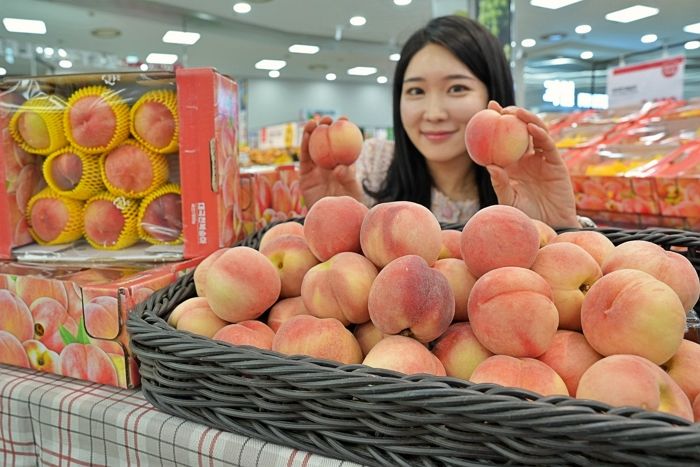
[[316, 182]]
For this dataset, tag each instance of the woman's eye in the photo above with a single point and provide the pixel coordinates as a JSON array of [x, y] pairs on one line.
[[414, 91], [458, 88]]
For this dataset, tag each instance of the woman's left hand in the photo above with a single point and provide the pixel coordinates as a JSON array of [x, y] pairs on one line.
[[538, 184]]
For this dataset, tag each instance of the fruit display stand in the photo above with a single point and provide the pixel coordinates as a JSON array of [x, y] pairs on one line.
[[125, 166], [269, 194], [381, 417]]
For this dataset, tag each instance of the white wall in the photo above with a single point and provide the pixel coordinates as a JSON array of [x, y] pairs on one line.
[[273, 101]]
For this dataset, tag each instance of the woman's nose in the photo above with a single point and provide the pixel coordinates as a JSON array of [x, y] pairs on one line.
[[434, 110]]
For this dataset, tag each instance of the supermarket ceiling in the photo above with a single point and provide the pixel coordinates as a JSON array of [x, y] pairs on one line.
[[101, 34]]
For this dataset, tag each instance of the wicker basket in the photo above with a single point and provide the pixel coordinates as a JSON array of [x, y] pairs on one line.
[[379, 417]]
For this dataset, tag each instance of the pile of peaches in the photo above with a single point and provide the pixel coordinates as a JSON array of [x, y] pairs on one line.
[[103, 163], [505, 300]]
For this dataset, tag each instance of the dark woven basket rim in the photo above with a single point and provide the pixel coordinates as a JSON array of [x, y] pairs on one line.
[[405, 420]]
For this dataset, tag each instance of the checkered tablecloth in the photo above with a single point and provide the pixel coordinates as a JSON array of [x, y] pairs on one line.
[[50, 420]]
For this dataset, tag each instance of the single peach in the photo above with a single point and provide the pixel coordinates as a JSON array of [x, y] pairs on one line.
[[460, 351], [200, 273], [11, 351], [451, 240], [162, 217], [196, 316], [410, 298], [283, 228], [570, 355], [524, 373], [499, 236], [595, 243], [461, 282], [15, 317], [405, 355], [512, 313], [332, 226], [285, 309], [367, 336], [251, 332], [292, 257], [631, 380], [684, 368], [495, 138], [339, 143]]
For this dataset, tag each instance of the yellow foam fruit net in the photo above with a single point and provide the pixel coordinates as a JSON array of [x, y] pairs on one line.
[[67, 210], [168, 99], [168, 188], [90, 181], [120, 112], [42, 118], [128, 208], [158, 166]]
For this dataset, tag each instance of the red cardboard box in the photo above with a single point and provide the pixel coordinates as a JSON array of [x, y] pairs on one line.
[[269, 193], [71, 320], [197, 168]]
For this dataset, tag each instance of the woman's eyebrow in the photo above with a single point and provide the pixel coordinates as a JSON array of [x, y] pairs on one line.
[[448, 77]]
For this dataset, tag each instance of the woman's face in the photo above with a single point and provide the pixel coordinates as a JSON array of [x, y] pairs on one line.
[[439, 96]]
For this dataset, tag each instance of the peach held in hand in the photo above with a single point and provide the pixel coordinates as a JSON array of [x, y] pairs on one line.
[[493, 138], [499, 236], [512, 313], [630, 312], [621, 380], [336, 144], [410, 298]]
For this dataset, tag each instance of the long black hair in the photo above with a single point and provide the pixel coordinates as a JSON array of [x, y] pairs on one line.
[[408, 178]]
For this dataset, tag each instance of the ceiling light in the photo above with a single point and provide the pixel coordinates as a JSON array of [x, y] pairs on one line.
[[204, 16], [582, 29], [28, 26], [586, 55], [39, 49], [692, 28], [274, 74], [362, 70], [382, 79], [395, 57], [62, 53], [649, 38], [528, 43], [48, 51], [161, 59], [267, 64], [633, 13], [358, 21], [552, 4], [132, 59], [303, 49], [143, 67], [562, 61], [181, 37], [65, 63], [2, 71], [242, 8], [692, 45], [330, 76], [402, 2]]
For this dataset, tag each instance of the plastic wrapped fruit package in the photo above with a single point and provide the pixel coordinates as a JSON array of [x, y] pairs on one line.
[[54, 219], [160, 216], [154, 121], [96, 119], [73, 174], [38, 124], [133, 170], [110, 221]]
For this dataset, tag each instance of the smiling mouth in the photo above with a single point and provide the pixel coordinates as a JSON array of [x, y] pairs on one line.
[[437, 135]]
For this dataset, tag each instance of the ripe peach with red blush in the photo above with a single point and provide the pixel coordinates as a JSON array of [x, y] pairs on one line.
[[196, 316], [66, 170], [333, 226], [154, 123], [495, 138], [570, 355], [285, 309], [11, 350], [460, 351], [251, 332], [162, 217], [339, 143], [405, 355], [292, 257], [524, 373]]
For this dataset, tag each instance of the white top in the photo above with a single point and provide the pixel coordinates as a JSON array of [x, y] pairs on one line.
[[372, 166]]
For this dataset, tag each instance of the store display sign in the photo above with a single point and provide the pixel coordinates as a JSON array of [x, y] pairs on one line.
[[657, 79]]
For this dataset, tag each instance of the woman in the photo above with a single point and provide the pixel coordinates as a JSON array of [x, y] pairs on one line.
[[448, 71]]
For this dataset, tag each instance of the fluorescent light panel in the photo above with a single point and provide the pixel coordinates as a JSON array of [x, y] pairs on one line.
[[362, 71], [267, 64], [692, 28], [553, 4], [358, 20], [181, 37], [649, 38], [28, 26], [633, 13], [331, 76], [161, 59], [303, 49]]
